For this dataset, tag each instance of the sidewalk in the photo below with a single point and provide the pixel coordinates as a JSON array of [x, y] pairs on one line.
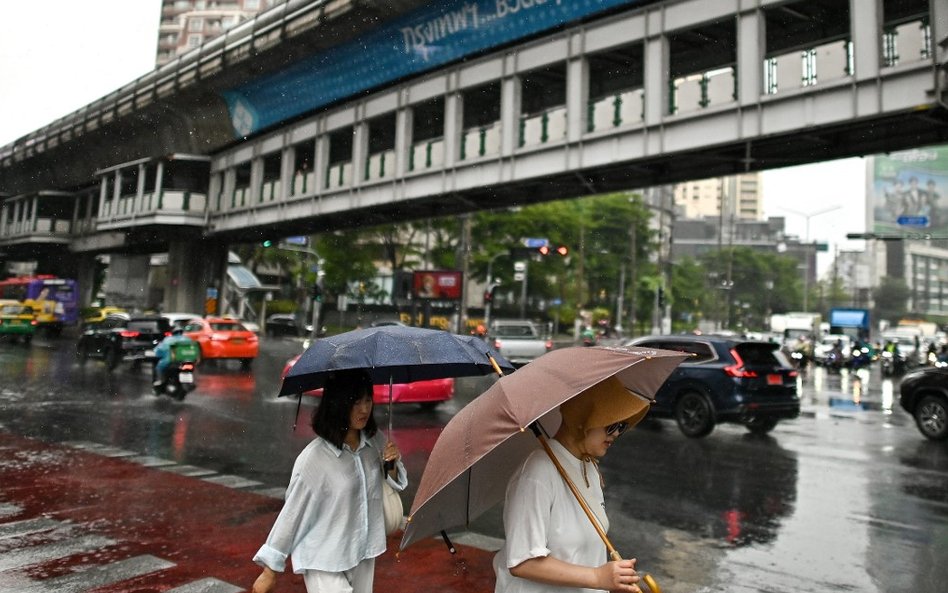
[[81, 516]]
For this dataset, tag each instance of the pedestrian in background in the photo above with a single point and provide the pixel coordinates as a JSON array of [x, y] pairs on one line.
[[331, 524], [549, 538]]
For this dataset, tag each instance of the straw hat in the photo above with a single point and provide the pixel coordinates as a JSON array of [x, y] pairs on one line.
[[601, 405]]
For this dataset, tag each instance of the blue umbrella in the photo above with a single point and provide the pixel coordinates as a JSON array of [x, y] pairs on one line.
[[393, 354]]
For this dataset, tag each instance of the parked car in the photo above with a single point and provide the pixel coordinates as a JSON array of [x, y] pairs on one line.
[[728, 380], [222, 338], [924, 394], [282, 324], [17, 321], [121, 337], [429, 394]]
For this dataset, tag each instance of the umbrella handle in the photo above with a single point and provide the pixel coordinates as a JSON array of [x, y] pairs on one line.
[[494, 364], [613, 554]]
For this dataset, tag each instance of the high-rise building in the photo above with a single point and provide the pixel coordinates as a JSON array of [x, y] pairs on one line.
[[740, 194], [186, 24]]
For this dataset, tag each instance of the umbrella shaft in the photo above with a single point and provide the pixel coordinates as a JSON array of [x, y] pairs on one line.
[[576, 493]]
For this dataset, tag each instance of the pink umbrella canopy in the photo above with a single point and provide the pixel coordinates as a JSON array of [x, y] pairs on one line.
[[482, 446]]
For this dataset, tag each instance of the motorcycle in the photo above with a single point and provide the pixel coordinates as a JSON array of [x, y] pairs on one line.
[[178, 380], [893, 363]]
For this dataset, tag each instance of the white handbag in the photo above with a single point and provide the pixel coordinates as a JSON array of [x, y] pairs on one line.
[[392, 509]]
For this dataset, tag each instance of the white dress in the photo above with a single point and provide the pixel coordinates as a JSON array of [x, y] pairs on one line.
[[543, 518]]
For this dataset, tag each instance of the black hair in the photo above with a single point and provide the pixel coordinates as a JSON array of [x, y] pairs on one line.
[[342, 390]]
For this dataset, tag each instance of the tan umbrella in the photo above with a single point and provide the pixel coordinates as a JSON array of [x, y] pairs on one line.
[[483, 445]]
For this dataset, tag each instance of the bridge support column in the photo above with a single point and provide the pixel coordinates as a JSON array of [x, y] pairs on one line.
[[85, 277], [126, 284], [194, 266]]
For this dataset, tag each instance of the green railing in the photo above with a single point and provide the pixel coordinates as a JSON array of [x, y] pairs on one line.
[[612, 111], [480, 141], [540, 128]]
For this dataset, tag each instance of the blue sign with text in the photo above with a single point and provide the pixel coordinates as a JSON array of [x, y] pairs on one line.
[[912, 220], [422, 40]]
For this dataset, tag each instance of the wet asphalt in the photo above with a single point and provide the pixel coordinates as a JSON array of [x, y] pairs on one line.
[[848, 497]]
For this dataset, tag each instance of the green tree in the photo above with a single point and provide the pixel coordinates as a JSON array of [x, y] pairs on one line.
[[891, 299]]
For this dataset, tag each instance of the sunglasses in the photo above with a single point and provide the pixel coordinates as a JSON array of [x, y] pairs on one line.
[[617, 428]]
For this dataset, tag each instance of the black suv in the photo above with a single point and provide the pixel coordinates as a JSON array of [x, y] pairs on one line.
[[121, 337], [924, 394], [728, 380]]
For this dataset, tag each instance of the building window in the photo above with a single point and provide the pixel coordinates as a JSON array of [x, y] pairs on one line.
[[195, 40], [251, 4], [199, 5], [196, 25]]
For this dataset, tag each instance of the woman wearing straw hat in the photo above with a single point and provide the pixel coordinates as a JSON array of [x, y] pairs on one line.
[[332, 522], [549, 538]]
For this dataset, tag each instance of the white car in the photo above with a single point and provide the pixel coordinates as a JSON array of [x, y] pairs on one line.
[[179, 320]]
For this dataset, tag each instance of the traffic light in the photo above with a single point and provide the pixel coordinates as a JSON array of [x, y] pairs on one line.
[[317, 292], [661, 297], [561, 250], [267, 243], [489, 293]]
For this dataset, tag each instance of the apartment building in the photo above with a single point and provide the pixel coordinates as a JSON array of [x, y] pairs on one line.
[[186, 24]]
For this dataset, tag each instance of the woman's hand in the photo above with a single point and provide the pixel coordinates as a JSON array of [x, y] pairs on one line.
[[618, 575], [391, 454], [265, 583]]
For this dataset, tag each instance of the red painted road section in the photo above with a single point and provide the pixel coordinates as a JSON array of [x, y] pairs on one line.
[[206, 530]]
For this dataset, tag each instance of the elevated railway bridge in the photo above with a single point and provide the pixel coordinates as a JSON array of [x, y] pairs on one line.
[[320, 115]]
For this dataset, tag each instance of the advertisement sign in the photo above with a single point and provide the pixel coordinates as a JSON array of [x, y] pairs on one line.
[[421, 40], [907, 191], [441, 285]]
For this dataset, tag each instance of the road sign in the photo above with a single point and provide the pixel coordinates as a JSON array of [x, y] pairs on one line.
[[518, 276], [535, 243], [519, 266], [912, 220], [296, 240]]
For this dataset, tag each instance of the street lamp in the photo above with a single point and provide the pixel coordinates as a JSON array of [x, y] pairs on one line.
[[316, 301], [806, 260], [490, 282]]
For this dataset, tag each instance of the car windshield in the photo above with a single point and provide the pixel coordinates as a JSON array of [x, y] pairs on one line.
[[514, 330], [758, 354], [144, 326], [15, 310], [228, 326]]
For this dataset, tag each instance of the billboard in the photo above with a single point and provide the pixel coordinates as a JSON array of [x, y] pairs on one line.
[[419, 41], [907, 191], [443, 285]]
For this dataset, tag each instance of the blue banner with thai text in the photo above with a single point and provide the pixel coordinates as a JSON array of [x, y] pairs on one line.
[[421, 40]]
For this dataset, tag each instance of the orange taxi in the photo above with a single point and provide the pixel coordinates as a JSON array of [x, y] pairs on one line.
[[223, 337]]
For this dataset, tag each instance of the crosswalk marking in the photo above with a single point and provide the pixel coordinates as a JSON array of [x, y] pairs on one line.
[[189, 471], [27, 526], [9, 510], [103, 575], [230, 481], [53, 551], [206, 586]]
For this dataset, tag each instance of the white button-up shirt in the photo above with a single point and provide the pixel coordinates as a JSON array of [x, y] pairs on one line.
[[542, 518], [332, 518]]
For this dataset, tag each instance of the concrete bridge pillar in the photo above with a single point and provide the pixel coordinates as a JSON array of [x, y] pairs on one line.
[[194, 266], [126, 283], [85, 277]]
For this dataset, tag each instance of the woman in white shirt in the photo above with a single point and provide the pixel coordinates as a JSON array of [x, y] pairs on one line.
[[549, 539], [332, 521]]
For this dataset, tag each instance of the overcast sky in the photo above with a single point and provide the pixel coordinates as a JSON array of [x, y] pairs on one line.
[[59, 55]]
